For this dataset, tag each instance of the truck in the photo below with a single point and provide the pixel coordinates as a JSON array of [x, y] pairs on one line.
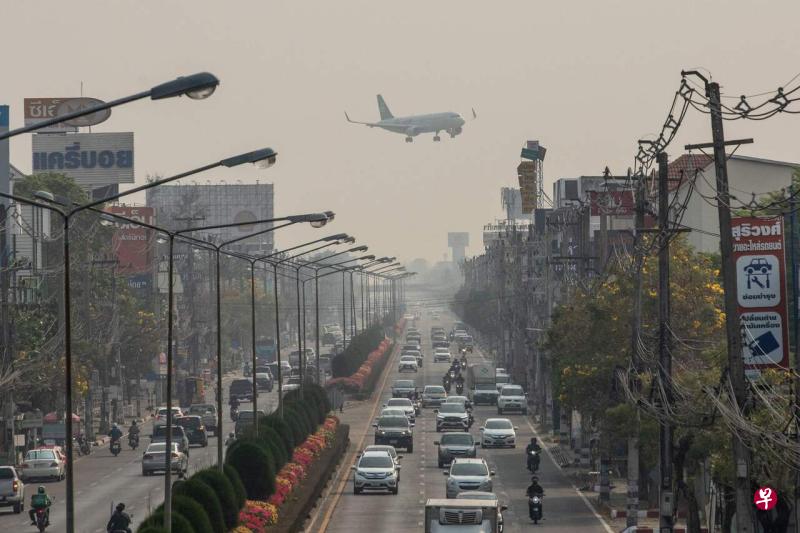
[[12, 489], [461, 516], [481, 383]]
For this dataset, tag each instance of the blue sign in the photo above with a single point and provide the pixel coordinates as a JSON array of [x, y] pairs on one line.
[[3, 116]]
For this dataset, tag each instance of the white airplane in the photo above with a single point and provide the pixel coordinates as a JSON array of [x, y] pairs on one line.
[[413, 125]]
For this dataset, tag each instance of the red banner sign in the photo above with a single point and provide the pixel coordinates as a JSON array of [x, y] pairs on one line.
[[758, 250], [132, 243]]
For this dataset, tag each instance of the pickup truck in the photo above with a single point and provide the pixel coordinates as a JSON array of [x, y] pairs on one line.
[[462, 516], [12, 489]]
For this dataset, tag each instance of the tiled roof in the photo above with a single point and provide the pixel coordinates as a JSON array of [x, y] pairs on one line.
[[684, 167]]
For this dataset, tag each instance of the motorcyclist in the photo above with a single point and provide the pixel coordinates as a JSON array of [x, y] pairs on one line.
[[534, 489], [40, 500], [120, 520], [234, 402], [115, 433], [133, 431], [533, 446]]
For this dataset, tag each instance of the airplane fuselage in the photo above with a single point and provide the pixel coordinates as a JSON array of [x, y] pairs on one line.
[[430, 123]]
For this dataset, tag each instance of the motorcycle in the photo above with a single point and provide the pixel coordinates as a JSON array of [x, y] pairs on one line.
[[535, 508], [459, 388], [533, 460], [84, 447], [41, 519], [234, 413], [447, 386], [116, 447], [230, 440], [133, 441]]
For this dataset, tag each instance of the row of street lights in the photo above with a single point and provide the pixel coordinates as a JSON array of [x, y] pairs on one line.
[[197, 86]]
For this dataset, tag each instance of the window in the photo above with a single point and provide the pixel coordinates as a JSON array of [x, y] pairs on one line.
[[6, 473], [451, 408], [457, 439], [498, 424], [469, 469], [376, 461], [40, 454]]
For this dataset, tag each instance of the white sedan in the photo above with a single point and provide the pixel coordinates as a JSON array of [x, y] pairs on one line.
[[43, 463], [408, 363], [498, 432]]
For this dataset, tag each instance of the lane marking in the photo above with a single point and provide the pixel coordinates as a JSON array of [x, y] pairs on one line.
[[579, 493]]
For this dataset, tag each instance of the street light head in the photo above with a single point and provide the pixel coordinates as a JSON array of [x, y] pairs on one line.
[[348, 240], [366, 258], [331, 215], [106, 220], [262, 158], [161, 239], [49, 197], [337, 237], [361, 248], [197, 87]]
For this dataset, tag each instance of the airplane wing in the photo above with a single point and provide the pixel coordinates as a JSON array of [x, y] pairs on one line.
[[474, 114], [370, 124]]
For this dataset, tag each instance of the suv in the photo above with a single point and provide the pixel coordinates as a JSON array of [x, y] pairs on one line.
[[178, 436], [403, 388], [512, 398], [405, 404], [206, 411], [12, 489], [452, 416], [375, 471], [453, 445], [161, 415], [408, 362], [242, 388], [433, 395], [441, 355], [194, 429], [468, 474], [245, 419], [264, 380], [395, 431]]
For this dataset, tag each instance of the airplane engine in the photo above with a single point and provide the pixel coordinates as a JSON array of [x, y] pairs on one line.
[[454, 131], [411, 132]]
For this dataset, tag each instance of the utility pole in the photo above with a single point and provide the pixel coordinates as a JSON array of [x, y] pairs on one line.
[[632, 519], [666, 521], [741, 455]]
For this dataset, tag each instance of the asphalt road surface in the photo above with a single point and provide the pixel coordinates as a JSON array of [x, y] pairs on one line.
[[564, 508], [102, 480]]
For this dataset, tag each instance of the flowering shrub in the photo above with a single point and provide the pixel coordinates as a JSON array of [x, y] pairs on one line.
[[355, 382], [256, 516]]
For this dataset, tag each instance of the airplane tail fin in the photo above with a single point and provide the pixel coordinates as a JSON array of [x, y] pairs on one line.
[[384, 109]]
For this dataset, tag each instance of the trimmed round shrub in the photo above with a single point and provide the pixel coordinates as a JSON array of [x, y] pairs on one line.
[[205, 496], [193, 512], [238, 486], [180, 524], [151, 529], [269, 435], [292, 419], [224, 490], [283, 430], [253, 466]]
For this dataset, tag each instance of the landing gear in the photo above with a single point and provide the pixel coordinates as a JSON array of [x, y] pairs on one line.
[[436, 137], [452, 135], [409, 139]]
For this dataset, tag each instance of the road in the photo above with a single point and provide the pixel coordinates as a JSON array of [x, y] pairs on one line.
[[102, 480], [564, 508]]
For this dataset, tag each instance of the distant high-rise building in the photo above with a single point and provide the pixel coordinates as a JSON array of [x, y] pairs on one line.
[[458, 242]]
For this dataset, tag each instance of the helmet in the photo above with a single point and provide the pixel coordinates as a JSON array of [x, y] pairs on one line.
[[115, 426], [534, 479], [533, 440], [133, 423], [120, 507], [41, 490]]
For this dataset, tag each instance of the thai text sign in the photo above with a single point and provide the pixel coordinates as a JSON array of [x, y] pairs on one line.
[[133, 243], [91, 159]]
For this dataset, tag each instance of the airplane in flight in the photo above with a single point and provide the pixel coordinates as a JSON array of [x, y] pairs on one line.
[[413, 125]]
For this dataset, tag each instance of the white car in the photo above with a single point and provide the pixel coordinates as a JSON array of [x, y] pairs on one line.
[[388, 449], [512, 398], [43, 463], [441, 355], [375, 471], [468, 474], [402, 403], [161, 416], [498, 432], [408, 363], [393, 411]]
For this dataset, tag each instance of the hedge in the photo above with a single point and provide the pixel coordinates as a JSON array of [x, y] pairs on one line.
[[238, 486], [224, 491], [253, 466], [292, 418], [207, 498], [347, 362], [193, 512], [283, 430], [151, 529], [179, 523]]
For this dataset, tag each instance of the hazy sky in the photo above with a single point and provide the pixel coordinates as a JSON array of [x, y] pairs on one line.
[[587, 78]]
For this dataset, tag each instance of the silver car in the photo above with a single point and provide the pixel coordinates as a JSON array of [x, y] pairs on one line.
[[153, 459], [468, 474], [433, 395], [375, 471], [388, 449], [405, 404]]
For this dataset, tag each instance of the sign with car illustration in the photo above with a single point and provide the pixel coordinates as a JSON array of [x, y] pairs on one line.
[[758, 249]]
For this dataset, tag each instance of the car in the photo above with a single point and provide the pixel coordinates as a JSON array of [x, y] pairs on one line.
[[208, 412], [161, 415], [12, 489], [396, 431], [242, 388], [498, 432], [441, 355], [404, 388], [153, 459], [293, 383], [264, 381], [246, 419], [388, 449], [43, 463], [501, 380], [758, 264], [194, 428], [435, 316], [375, 471], [463, 400], [408, 317], [393, 411], [454, 445], [405, 404], [413, 338], [408, 363], [178, 435], [433, 395], [483, 495], [468, 474], [441, 344], [512, 398], [416, 354], [452, 416]]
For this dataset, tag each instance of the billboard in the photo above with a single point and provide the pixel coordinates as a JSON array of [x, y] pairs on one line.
[[91, 159], [758, 251], [40, 109], [528, 184], [617, 203], [133, 244]]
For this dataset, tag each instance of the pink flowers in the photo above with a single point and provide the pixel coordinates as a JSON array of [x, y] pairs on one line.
[[256, 516], [355, 382]]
